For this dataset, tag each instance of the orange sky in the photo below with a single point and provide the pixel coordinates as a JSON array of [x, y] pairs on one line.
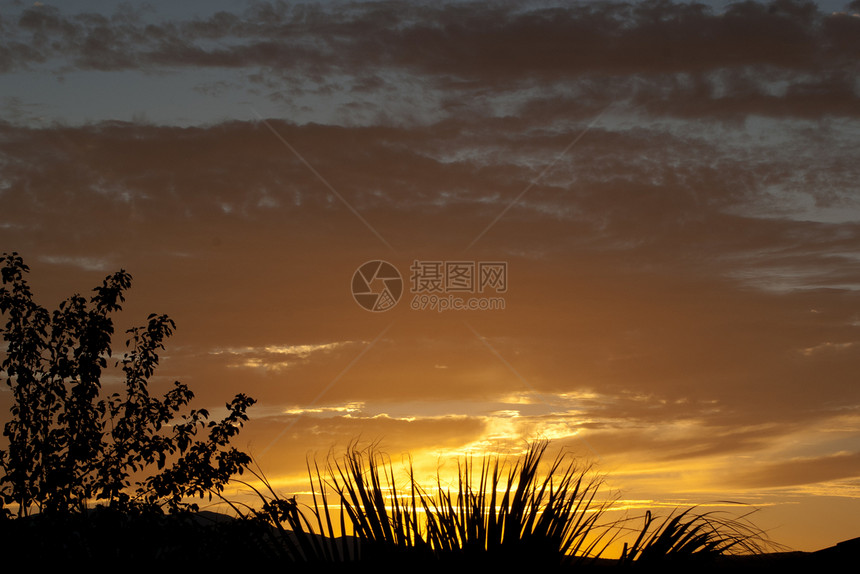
[[679, 218]]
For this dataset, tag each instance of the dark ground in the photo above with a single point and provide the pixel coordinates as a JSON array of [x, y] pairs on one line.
[[103, 540]]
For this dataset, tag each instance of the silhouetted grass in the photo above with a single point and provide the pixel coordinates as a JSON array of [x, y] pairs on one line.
[[515, 511], [689, 536], [503, 513]]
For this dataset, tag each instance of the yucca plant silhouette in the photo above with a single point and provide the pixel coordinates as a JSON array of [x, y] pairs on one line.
[[514, 512], [297, 538], [519, 513], [383, 516], [510, 512], [688, 536]]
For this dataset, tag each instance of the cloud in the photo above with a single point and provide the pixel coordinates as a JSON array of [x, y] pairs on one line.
[[275, 357], [811, 470], [87, 263], [641, 241], [779, 59]]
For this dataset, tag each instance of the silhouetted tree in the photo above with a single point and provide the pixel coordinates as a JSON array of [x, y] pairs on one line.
[[67, 445]]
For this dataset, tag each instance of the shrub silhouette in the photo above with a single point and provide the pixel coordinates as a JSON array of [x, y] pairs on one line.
[[499, 514], [69, 446]]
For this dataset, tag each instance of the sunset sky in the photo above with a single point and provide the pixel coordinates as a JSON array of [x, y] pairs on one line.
[[672, 186]]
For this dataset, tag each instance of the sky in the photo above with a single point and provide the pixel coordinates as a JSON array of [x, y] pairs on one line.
[[663, 197]]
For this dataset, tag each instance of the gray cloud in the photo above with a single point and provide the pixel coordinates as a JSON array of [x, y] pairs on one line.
[[783, 59], [803, 471]]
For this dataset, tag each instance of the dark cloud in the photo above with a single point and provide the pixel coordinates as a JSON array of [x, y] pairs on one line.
[[671, 59], [664, 443], [646, 260], [801, 472]]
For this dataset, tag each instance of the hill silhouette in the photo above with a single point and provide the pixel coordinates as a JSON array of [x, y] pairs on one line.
[[104, 538]]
